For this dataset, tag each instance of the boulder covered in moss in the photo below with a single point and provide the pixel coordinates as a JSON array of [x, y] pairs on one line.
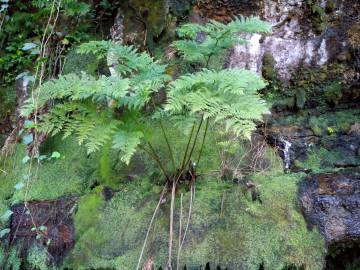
[[226, 228]]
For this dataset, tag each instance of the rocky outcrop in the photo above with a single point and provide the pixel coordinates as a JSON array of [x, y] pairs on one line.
[[305, 33], [331, 201], [48, 223]]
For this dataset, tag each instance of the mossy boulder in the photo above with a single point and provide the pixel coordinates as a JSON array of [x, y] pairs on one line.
[[227, 228]]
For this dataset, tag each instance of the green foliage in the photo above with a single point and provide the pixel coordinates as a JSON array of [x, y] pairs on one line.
[[227, 96], [318, 15], [339, 121], [25, 25], [240, 235], [333, 92], [37, 258], [85, 112], [97, 48], [12, 260], [309, 88], [71, 174], [7, 101], [200, 42], [92, 128]]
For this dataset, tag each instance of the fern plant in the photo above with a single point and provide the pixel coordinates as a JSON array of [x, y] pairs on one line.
[[111, 109], [89, 107], [86, 106]]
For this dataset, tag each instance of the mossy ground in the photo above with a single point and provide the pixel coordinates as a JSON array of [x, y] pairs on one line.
[[238, 233], [227, 227]]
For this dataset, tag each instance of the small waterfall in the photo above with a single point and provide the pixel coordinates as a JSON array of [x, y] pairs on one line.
[[286, 151]]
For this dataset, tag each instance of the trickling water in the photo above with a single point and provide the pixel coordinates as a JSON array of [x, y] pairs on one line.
[[286, 151]]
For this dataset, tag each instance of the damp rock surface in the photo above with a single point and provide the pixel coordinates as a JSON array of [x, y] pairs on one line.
[[303, 34], [49, 223], [331, 201]]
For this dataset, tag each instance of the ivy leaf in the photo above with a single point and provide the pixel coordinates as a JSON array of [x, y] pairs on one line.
[[27, 139], [25, 159], [4, 232], [5, 217], [29, 124], [42, 157], [3, 7], [19, 186], [42, 228], [55, 155], [29, 46], [35, 51]]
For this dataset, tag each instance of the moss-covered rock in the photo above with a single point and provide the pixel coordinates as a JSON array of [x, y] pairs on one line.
[[227, 228]]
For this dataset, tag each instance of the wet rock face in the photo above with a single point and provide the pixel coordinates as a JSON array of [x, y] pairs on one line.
[[225, 10], [291, 141], [303, 147], [49, 223], [303, 35], [331, 201]]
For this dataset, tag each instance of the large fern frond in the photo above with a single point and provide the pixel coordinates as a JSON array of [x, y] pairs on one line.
[[127, 142], [98, 48], [92, 127], [228, 96], [199, 42], [73, 87]]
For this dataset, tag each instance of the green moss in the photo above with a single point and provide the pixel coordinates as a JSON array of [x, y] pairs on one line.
[[241, 234], [268, 69], [321, 159], [340, 121], [37, 258], [88, 213], [333, 92], [77, 63], [72, 174]]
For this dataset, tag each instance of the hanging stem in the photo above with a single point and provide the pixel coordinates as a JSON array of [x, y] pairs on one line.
[[195, 140], [192, 197], [150, 225], [171, 223], [153, 155], [168, 145], [203, 142], [187, 149], [180, 229]]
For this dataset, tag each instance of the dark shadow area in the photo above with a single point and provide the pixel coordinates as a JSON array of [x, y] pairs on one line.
[[344, 256]]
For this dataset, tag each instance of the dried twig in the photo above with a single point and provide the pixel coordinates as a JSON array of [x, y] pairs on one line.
[[180, 229], [150, 225]]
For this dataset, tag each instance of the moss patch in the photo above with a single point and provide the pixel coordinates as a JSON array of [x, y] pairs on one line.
[[227, 228], [71, 174]]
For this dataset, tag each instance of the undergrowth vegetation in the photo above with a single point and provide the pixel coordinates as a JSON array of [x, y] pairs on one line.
[[175, 183]]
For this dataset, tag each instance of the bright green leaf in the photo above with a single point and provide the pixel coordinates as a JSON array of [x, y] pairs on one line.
[[4, 232], [5, 217]]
